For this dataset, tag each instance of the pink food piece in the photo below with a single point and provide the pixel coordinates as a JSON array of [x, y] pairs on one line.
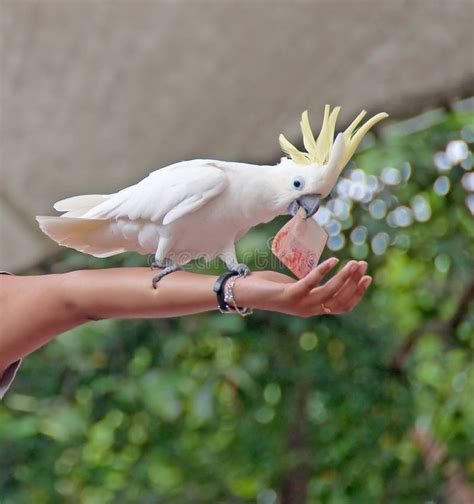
[[299, 244]]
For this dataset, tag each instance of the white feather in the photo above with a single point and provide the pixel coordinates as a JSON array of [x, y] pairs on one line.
[[166, 194], [92, 236], [79, 202]]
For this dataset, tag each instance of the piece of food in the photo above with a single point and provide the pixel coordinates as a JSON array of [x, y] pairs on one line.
[[299, 244]]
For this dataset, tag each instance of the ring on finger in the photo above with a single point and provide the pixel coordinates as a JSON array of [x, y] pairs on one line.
[[325, 308]]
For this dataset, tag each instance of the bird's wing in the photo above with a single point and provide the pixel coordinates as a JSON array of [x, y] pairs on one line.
[[166, 194]]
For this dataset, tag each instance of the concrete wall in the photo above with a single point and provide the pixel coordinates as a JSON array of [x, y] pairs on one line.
[[95, 94]]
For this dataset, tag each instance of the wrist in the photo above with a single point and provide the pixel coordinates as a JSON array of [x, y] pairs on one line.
[[254, 291]]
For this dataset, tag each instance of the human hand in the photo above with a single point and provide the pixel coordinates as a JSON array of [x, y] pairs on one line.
[[306, 297]]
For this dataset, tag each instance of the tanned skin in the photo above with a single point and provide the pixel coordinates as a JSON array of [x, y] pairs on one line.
[[36, 309]]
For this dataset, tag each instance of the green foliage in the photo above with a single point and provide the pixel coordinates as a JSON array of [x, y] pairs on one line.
[[202, 409]]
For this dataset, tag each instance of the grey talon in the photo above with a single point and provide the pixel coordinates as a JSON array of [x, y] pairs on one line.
[[165, 271], [241, 269]]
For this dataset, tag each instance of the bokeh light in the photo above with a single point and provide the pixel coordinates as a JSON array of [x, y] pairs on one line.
[[380, 242], [442, 185]]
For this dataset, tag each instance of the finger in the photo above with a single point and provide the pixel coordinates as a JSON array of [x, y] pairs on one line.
[[337, 281], [354, 278], [343, 297], [359, 292], [315, 276]]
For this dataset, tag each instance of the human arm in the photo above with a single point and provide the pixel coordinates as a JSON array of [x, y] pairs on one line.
[[35, 309]]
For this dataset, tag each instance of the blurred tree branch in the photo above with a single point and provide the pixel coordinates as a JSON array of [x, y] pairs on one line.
[[295, 484], [443, 328], [435, 454]]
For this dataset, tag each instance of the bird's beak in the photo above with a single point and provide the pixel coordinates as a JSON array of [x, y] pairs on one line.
[[309, 202]]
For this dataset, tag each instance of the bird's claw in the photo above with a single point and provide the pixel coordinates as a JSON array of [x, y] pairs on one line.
[[241, 269], [165, 271], [158, 264]]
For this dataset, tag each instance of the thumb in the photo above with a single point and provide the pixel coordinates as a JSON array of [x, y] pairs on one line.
[[314, 277]]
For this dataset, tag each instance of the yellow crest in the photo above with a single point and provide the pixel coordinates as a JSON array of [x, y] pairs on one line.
[[319, 150]]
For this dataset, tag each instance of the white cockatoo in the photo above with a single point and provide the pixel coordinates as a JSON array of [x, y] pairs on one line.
[[200, 208]]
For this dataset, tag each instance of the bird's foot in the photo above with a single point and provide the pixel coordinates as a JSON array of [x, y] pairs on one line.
[[167, 269], [159, 264], [241, 269]]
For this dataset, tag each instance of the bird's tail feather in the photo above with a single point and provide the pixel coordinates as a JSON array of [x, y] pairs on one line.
[[92, 236], [79, 205]]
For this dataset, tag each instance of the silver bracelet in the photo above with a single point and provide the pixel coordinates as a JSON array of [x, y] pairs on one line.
[[230, 300]]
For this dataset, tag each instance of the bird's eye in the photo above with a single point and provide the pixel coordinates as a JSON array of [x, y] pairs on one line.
[[298, 183]]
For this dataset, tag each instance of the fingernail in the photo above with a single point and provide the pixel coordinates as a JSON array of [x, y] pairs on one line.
[[354, 266], [334, 261], [328, 263], [368, 282]]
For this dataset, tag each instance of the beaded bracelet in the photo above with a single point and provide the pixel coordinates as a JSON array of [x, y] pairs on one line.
[[230, 300]]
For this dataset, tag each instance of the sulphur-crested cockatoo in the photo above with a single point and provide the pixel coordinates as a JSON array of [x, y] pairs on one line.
[[200, 208]]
